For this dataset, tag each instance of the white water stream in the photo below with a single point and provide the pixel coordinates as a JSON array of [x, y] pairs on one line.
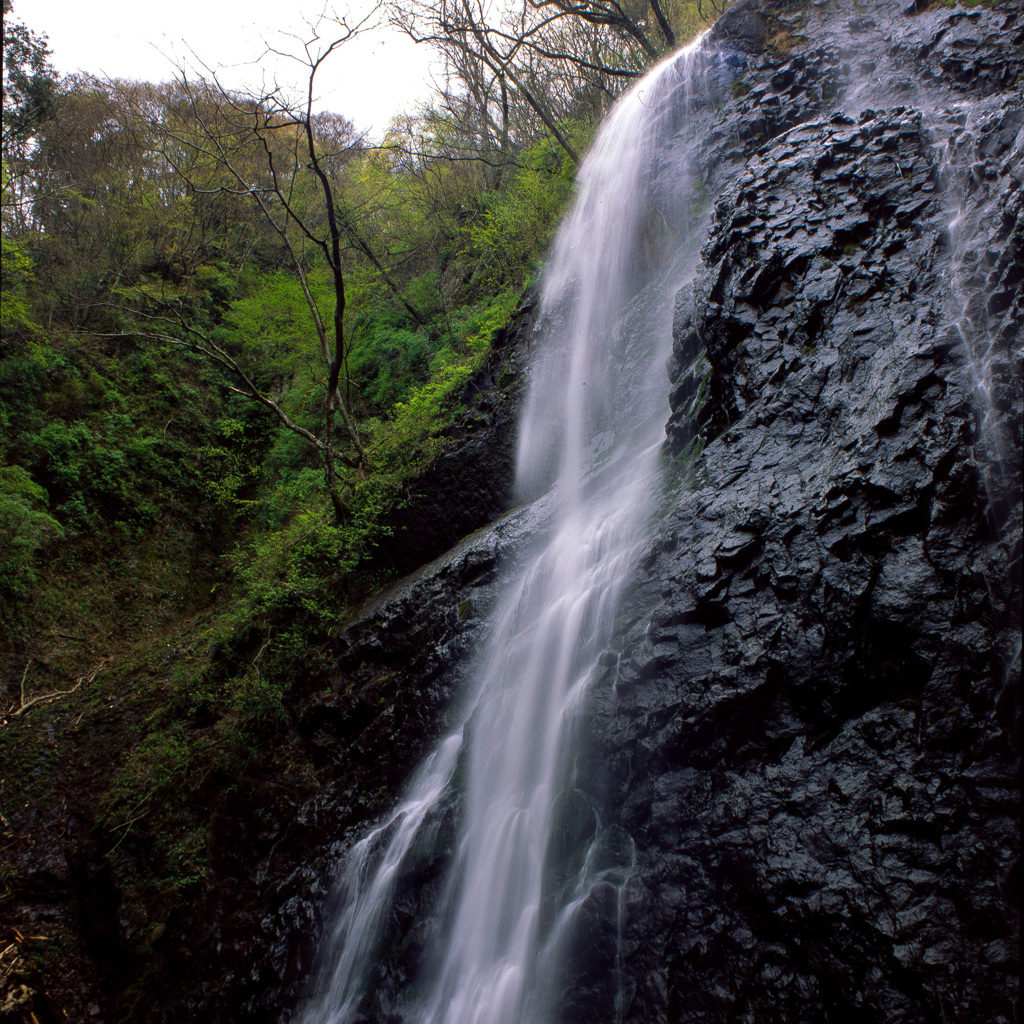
[[591, 430], [972, 204]]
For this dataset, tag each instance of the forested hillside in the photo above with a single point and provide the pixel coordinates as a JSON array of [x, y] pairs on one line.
[[234, 335]]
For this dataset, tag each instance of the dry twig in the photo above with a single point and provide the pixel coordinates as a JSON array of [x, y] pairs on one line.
[[45, 697]]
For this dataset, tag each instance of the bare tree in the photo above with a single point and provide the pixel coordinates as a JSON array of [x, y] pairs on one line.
[[558, 59], [292, 184]]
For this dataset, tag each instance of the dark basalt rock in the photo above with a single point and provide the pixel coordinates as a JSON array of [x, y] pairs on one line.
[[244, 951], [743, 28], [401, 671], [814, 737]]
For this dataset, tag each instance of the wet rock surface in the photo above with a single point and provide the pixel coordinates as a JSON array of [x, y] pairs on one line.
[[813, 734], [244, 947], [395, 690], [811, 731]]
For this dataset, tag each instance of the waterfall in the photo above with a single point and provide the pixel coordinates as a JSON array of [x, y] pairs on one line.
[[974, 204], [531, 849]]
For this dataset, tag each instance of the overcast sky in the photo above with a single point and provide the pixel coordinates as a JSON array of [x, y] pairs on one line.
[[370, 80]]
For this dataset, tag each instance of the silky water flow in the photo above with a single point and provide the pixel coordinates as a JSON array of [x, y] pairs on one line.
[[973, 204], [591, 431]]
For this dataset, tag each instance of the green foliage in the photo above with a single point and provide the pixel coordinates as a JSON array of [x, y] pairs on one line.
[[285, 567], [26, 530], [691, 17], [230, 466], [700, 201], [29, 86], [514, 232], [103, 474], [199, 544], [388, 360], [16, 275], [412, 436], [935, 4], [272, 324], [423, 293]]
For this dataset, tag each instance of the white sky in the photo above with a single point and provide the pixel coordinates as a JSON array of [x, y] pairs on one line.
[[369, 80]]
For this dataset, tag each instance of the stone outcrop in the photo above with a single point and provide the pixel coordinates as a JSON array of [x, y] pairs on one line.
[[247, 950]]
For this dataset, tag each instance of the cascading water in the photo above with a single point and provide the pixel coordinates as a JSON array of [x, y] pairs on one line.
[[979, 196], [592, 429], [974, 203]]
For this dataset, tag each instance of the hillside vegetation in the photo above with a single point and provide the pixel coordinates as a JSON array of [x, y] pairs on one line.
[[233, 333]]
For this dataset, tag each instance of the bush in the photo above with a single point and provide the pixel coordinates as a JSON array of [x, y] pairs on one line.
[[514, 232], [25, 531]]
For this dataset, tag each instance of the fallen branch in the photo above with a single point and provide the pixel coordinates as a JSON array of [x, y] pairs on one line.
[[259, 653], [23, 674], [45, 697]]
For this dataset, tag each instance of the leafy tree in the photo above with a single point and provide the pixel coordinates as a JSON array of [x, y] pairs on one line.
[[25, 529], [29, 100], [29, 82], [110, 208], [295, 193]]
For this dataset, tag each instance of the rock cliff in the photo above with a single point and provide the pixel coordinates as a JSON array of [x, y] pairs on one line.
[[814, 737]]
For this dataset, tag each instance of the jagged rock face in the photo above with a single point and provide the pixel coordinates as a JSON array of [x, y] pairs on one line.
[[397, 686], [248, 947], [395, 689], [814, 735]]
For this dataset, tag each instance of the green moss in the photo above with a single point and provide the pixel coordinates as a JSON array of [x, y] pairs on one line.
[[700, 201]]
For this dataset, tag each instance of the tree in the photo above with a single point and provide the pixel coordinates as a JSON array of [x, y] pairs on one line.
[[29, 82], [29, 100], [614, 15], [562, 60], [104, 209], [293, 187], [558, 62]]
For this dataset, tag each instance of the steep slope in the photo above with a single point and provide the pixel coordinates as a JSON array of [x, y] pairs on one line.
[[809, 725]]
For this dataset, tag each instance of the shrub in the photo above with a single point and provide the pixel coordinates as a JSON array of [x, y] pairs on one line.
[[25, 531]]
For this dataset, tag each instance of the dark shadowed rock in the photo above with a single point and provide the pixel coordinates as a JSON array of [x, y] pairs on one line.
[[816, 722]]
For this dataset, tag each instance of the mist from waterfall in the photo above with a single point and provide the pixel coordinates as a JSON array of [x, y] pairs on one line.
[[591, 432]]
